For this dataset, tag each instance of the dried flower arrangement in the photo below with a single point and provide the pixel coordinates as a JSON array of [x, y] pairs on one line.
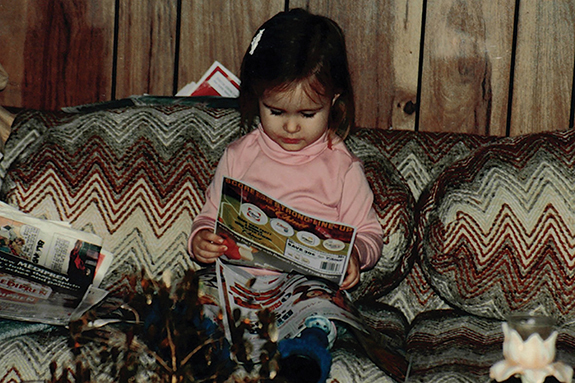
[[168, 338]]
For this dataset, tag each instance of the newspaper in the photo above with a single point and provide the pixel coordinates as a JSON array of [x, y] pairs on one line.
[[49, 272], [294, 298], [309, 257], [262, 232], [217, 81]]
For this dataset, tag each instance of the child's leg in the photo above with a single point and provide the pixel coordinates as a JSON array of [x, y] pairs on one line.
[[307, 357]]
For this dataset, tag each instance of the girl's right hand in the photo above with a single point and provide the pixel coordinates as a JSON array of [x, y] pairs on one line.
[[207, 246]]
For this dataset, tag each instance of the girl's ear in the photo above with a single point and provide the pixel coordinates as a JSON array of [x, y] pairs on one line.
[[335, 97]]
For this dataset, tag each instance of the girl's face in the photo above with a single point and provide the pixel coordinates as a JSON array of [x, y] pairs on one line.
[[292, 119]]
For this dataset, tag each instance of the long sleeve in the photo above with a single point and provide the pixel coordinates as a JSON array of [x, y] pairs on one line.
[[321, 181], [207, 217]]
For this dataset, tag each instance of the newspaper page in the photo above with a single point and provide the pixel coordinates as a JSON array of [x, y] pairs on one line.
[[292, 296], [49, 272], [262, 232], [217, 81]]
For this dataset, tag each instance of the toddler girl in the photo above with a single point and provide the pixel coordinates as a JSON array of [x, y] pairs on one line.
[[295, 80]]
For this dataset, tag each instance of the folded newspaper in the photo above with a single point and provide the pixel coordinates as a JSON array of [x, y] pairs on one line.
[[49, 272], [217, 81], [262, 232], [292, 296]]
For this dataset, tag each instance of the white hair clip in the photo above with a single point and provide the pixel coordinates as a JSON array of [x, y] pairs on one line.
[[255, 41]]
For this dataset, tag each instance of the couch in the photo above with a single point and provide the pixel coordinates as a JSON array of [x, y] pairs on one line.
[[475, 227]]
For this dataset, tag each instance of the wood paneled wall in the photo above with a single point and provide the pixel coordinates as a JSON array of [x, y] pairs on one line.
[[500, 67]]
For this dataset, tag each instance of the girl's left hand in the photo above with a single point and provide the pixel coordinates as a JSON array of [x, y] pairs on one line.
[[352, 273]]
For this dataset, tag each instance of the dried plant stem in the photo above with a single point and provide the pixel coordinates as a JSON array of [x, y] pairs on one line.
[[198, 348], [210, 379], [138, 346], [136, 315], [172, 345]]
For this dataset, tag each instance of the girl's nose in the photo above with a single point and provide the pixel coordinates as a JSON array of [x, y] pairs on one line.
[[291, 126]]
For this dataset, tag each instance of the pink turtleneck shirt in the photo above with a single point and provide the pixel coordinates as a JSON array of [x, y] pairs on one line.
[[319, 180]]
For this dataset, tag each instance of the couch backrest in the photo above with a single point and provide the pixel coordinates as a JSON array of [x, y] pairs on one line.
[[136, 176], [133, 175]]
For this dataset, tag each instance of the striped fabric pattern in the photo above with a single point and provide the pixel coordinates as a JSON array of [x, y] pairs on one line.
[[464, 347], [351, 366], [136, 175], [497, 229], [450, 346]]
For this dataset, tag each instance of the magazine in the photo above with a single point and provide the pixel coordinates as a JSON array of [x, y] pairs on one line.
[[262, 232], [49, 272], [217, 81]]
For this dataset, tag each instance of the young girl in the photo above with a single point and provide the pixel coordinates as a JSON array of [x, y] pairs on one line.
[[295, 80]]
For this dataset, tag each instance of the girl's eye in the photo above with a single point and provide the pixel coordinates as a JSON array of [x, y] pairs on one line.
[[275, 112], [308, 115]]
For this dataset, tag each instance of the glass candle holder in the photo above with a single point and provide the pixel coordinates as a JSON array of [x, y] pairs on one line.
[[528, 324]]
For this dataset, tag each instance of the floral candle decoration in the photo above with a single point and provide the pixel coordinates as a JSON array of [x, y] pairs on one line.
[[529, 351]]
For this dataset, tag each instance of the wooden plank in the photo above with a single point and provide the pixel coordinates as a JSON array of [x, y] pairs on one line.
[[499, 16], [219, 30], [146, 47], [13, 29], [544, 66], [457, 88], [367, 25], [406, 41], [66, 52]]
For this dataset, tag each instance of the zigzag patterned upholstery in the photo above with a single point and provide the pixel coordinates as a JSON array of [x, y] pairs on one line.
[[464, 347], [419, 157], [497, 228], [135, 175], [394, 205], [495, 231], [132, 176], [497, 236], [453, 346]]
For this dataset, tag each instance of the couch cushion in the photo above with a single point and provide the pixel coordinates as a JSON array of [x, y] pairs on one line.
[[394, 205], [496, 228], [134, 175], [419, 157], [451, 346]]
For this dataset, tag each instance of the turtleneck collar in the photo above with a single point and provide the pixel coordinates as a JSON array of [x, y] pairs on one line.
[[273, 150]]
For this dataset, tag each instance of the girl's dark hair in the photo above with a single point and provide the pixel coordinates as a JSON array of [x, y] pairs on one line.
[[298, 47]]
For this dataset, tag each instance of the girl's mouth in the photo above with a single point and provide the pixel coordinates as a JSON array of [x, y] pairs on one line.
[[291, 140]]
